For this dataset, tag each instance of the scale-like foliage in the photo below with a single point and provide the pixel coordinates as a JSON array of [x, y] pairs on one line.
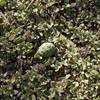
[[65, 34]]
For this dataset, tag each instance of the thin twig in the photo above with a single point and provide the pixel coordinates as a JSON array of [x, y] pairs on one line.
[[29, 4], [4, 17]]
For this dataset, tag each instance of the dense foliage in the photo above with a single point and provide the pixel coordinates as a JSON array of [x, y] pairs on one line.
[[66, 33]]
